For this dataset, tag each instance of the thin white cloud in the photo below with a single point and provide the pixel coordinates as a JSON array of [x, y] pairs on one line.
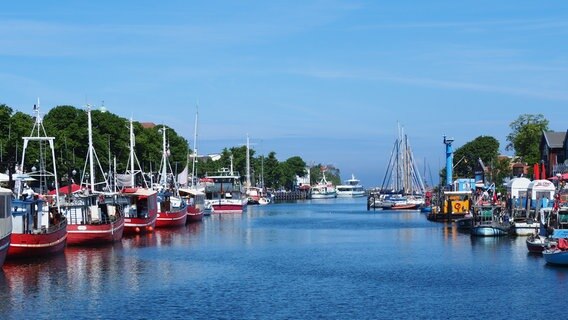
[[433, 83]]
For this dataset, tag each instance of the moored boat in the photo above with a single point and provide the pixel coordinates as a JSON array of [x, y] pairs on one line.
[[5, 222], [323, 189], [557, 255], [351, 189], [225, 194], [195, 200], [38, 227], [487, 222], [141, 213], [172, 210], [94, 217]]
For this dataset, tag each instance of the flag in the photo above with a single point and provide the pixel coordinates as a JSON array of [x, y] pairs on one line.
[[182, 177]]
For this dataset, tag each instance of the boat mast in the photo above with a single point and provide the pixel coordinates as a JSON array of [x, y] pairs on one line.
[[163, 179], [194, 160], [131, 154], [91, 164], [248, 163]]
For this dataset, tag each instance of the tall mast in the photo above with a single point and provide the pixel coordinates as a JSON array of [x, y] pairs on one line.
[[131, 153], [248, 163], [194, 160], [91, 164], [163, 179]]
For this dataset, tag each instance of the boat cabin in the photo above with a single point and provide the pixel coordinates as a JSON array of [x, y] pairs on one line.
[[540, 194]]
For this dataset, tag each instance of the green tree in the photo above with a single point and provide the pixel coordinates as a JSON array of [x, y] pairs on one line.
[[466, 157], [525, 136], [289, 169], [272, 171]]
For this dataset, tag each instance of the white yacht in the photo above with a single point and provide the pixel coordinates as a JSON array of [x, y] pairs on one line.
[[351, 189]]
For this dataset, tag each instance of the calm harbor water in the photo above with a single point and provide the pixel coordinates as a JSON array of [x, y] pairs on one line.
[[325, 259]]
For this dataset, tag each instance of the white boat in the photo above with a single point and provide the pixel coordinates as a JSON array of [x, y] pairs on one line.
[[351, 189], [324, 189], [224, 193]]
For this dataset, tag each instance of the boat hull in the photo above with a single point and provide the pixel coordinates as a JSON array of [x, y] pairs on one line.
[[525, 228], [95, 234], [445, 216], [172, 219], [4, 246], [139, 225], [404, 207], [488, 231], [30, 245], [227, 206], [464, 223], [556, 257], [348, 194], [194, 214], [536, 244], [324, 196]]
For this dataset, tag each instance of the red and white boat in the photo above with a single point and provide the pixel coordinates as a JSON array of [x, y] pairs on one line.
[[38, 228], [141, 207], [93, 217], [5, 222], [225, 194], [141, 214], [195, 200], [172, 210]]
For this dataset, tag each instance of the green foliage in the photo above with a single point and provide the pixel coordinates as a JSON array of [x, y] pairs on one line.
[[466, 157], [525, 136], [68, 125], [332, 174]]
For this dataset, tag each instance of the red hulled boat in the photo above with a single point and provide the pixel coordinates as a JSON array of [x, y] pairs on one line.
[[93, 218], [171, 208], [196, 204], [171, 213], [38, 227], [141, 213]]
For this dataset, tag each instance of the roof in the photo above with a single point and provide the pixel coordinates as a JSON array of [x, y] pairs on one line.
[[190, 191], [554, 139], [138, 192], [148, 125]]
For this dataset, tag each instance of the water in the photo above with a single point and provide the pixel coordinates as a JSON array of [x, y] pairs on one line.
[[326, 259]]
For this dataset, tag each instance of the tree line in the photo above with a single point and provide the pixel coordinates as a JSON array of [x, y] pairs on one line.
[[111, 141]]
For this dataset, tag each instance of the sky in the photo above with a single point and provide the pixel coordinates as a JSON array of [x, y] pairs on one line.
[[329, 81]]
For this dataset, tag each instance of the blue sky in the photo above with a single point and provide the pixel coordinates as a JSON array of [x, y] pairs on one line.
[[325, 80]]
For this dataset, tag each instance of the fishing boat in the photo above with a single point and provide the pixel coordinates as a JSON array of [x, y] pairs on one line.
[[195, 200], [323, 189], [224, 194], [172, 209], [5, 222], [487, 222], [351, 189], [38, 227], [94, 216], [140, 207]]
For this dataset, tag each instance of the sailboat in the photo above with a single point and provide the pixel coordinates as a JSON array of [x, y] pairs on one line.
[[38, 228], [141, 212], [402, 187], [194, 197], [172, 210], [94, 216]]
